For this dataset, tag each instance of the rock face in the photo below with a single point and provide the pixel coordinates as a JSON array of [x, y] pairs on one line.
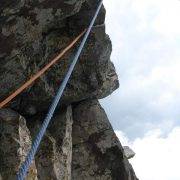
[[97, 154], [53, 161], [32, 33], [15, 142]]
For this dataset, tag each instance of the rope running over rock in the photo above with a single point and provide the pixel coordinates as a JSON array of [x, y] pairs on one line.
[[25, 166]]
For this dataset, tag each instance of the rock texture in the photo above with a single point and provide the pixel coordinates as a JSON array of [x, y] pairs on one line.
[[129, 153], [98, 154], [53, 160], [15, 142], [31, 33]]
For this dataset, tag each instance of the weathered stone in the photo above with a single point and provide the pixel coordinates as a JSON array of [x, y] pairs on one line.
[[129, 153], [97, 152], [53, 160], [15, 142], [34, 32], [24, 28]]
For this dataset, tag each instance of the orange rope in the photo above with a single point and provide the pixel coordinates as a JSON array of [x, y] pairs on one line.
[[41, 72]]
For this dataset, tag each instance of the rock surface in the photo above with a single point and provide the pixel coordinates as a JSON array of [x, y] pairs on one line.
[[31, 34], [129, 153], [53, 160], [98, 154], [15, 142]]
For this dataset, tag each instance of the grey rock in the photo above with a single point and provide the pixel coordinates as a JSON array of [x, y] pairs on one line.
[[15, 142], [31, 33], [53, 160], [97, 152], [129, 153]]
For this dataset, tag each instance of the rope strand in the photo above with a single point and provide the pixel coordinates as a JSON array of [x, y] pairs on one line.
[[25, 166]]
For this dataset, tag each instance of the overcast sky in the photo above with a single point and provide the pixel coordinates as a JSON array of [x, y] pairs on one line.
[[144, 111]]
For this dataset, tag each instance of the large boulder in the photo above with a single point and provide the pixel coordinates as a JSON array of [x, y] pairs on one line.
[[32, 33], [97, 152], [24, 28]]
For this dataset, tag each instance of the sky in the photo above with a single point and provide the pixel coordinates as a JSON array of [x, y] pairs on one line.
[[144, 111]]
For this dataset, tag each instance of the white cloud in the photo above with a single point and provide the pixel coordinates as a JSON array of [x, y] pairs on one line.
[[146, 39], [147, 60], [163, 78], [162, 14], [124, 140], [167, 22], [157, 157]]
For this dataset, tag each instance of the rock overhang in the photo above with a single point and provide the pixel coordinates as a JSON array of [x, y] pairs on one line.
[[34, 36]]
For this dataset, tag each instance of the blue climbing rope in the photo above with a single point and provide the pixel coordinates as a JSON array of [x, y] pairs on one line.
[[25, 166]]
